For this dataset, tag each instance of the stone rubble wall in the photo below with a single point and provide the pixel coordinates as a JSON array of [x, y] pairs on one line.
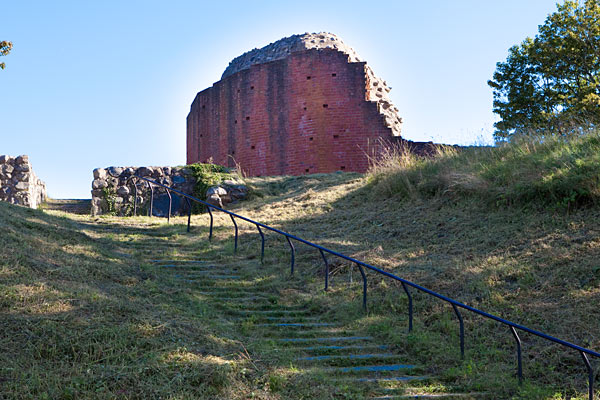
[[376, 88], [113, 190], [19, 184]]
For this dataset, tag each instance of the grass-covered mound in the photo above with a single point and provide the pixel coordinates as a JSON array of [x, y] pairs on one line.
[[550, 172], [81, 320]]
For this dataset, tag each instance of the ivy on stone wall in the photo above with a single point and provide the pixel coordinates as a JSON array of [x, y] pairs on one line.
[[208, 175]]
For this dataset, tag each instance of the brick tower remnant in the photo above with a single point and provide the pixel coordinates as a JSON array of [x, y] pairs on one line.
[[303, 104]]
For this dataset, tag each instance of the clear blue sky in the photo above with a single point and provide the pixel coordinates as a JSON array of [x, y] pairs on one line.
[[99, 83]]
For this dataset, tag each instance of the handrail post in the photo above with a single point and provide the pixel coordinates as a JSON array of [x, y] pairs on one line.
[[210, 232], [236, 234], [326, 269], [189, 213], [590, 375], [135, 199], [462, 331], [293, 253], [170, 203], [519, 359], [262, 245], [410, 307], [364, 276], [151, 198]]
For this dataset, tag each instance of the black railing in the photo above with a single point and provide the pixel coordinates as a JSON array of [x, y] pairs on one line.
[[456, 305]]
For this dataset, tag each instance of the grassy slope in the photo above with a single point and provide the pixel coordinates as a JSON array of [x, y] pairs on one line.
[[84, 321]]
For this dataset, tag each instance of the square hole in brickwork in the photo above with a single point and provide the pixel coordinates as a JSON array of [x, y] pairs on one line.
[[200, 135], [247, 118], [325, 105], [310, 138], [304, 108], [232, 152], [333, 74], [342, 167], [306, 170], [252, 147], [308, 78], [203, 107], [336, 136], [235, 122], [251, 87]]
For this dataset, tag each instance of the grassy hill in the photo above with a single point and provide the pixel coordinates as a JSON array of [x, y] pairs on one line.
[[514, 231]]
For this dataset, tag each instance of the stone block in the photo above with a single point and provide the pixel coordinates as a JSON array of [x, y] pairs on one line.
[[22, 159], [99, 173], [115, 171], [123, 191], [99, 184], [22, 186]]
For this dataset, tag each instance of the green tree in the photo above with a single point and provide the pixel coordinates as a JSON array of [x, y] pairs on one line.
[[5, 48], [550, 85]]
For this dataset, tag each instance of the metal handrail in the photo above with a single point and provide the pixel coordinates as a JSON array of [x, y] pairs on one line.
[[584, 352]]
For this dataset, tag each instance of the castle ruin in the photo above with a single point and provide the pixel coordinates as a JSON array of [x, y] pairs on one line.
[[303, 104]]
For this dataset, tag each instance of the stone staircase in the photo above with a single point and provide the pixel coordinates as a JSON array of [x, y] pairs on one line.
[[73, 206], [298, 332]]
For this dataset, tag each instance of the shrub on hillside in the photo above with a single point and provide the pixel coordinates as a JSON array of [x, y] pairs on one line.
[[549, 172]]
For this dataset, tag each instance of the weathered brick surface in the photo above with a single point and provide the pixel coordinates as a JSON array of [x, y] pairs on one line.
[[306, 113]]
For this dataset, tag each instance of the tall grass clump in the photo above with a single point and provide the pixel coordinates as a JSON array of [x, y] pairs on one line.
[[533, 172]]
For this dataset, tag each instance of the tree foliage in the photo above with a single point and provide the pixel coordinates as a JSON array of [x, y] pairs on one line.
[[550, 85], [5, 48]]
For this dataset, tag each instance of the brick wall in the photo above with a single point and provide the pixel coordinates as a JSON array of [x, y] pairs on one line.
[[306, 113]]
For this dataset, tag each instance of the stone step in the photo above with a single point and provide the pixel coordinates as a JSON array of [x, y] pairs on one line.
[[237, 298], [296, 324], [406, 378], [211, 277], [326, 339], [267, 312], [177, 261], [449, 396], [186, 266], [337, 348], [203, 273], [291, 319], [347, 357], [372, 368], [231, 293]]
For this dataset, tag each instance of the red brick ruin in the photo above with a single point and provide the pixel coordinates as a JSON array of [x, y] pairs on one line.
[[304, 104]]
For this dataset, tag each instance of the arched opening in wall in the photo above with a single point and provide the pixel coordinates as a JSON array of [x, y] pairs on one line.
[[235, 122]]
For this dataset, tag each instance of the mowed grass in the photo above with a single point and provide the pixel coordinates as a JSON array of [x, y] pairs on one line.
[[82, 319], [87, 317]]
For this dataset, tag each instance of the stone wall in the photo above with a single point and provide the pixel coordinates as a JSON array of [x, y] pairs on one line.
[[19, 184], [113, 190], [303, 104]]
